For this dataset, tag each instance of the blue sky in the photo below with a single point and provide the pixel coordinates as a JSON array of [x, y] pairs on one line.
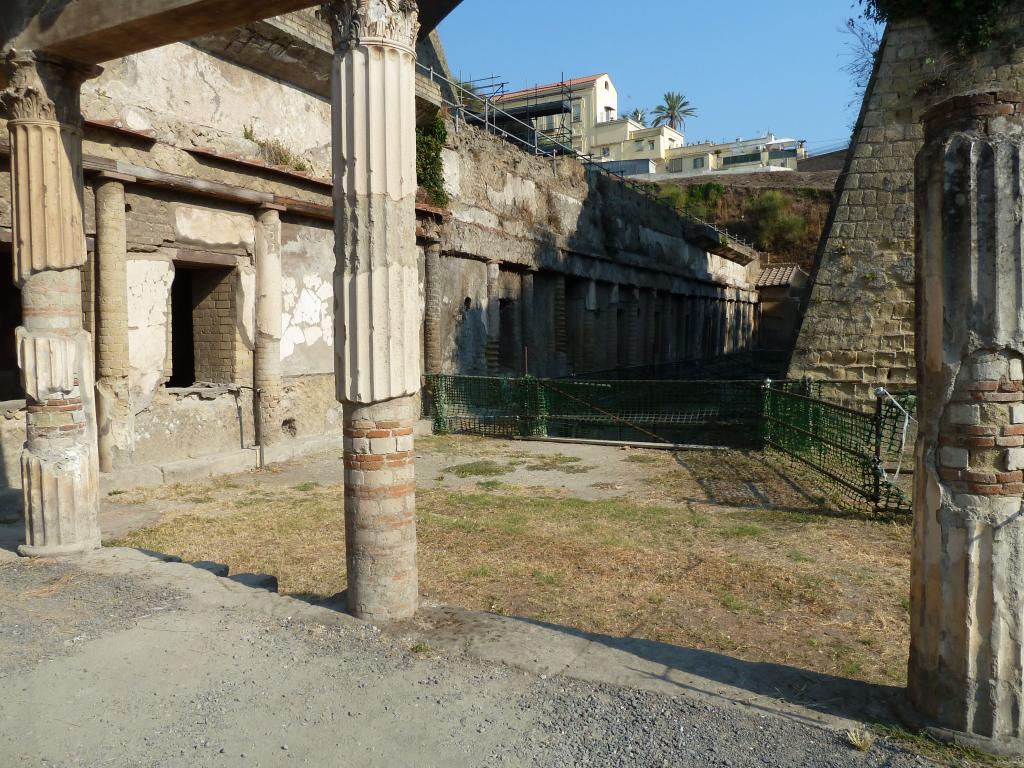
[[749, 67]]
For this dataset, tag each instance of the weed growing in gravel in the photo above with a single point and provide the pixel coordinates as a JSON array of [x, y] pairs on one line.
[[641, 458], [421, 648], [860, 739], [305, 487]]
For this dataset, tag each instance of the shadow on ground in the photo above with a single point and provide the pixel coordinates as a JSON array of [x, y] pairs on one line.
[[551, 649]]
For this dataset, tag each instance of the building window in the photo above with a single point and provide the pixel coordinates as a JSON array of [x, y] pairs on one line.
[[639, 146], [650, 145], [203, 329], [605, 152], [698, 162], [577, 112]]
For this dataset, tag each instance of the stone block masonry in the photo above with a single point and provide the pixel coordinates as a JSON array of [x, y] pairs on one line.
[[858, 327]]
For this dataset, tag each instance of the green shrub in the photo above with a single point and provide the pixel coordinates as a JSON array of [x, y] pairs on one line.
[[700, 200], [430, 141], [964, 26]]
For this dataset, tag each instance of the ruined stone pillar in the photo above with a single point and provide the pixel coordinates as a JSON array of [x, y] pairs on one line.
[[432, 290], [967, 605], [634, 328], [59, 465], [588, 335], [493, 349], [376, 289], [266, 371], [528, 310], [115, 419]]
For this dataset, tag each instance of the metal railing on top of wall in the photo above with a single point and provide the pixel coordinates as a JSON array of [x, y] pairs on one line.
[[542, 145]]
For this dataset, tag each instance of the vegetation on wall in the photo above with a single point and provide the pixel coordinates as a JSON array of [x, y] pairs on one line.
[[964, 26], [273, 152], [784, 222], [700, 200], [429, 169], [774, 225]]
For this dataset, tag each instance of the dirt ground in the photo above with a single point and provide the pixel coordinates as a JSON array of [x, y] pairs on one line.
[[724, 551]]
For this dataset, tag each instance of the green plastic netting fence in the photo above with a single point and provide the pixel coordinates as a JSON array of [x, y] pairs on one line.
[[847, 447]]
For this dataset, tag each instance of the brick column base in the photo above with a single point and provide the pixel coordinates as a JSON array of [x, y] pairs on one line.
[[380, 509]]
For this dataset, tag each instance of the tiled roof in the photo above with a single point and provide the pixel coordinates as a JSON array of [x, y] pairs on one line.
[[775, 275], [549, 87]]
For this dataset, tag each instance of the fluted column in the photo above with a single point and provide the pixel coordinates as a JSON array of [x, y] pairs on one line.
[[376, 288], [266, 371], [967, 601], [115, 419], [433, 295], [59, 465]]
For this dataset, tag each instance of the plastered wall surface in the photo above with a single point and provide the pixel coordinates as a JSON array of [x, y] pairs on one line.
[[187, 95], [307, 270]]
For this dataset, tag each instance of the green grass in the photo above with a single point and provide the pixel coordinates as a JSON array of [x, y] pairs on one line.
[[304, 487], [491, 485], [482, 468], [732, 603], [799, 557], [953, 755], [743, 531], [557, 462]]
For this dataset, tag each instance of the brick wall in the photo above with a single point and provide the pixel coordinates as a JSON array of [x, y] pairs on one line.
[[213, 324], [858, 328]]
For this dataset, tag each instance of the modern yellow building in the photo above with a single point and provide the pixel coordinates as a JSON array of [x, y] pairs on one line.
[[589, 102]]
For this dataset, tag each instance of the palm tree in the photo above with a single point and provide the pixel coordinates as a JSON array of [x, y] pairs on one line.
[[674, 111], [639, 115]]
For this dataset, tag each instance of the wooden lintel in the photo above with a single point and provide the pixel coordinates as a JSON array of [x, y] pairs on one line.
[[205, 258]]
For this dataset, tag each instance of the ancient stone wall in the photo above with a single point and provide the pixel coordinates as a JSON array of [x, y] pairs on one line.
[[858, 328]]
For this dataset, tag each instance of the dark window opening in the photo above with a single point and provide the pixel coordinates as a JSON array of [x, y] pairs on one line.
[[622, 337], [183, 346], [10, 319], [508, 344]]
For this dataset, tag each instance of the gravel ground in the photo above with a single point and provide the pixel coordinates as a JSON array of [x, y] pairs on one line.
[[119, 659]]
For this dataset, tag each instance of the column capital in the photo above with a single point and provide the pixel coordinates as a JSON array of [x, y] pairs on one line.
[[43, 87], [265, 207], [124, 178], [353, 21]]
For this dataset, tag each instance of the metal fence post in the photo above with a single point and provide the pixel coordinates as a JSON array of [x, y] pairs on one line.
[[877, 464]]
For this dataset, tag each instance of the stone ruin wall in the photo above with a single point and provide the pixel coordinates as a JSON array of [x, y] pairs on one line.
[[179, 112], [593, 248], [858, 328]]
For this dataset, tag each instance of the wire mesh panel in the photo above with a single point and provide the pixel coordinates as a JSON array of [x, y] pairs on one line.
[[848, 447], [844, 445]]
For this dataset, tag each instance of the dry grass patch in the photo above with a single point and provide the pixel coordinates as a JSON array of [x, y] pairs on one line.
[[762, 584]]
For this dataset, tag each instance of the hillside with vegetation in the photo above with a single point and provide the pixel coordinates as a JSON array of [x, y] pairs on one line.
[[783, 217]]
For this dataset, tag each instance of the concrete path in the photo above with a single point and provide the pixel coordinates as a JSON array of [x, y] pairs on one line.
[[118, 658]]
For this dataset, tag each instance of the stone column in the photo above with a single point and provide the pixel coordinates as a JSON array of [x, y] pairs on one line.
[[115, 419], [432, 291], [493, 350], [266, 371], [967, 604], [588, 331], [59, 466], [376, 289], [528, 311]]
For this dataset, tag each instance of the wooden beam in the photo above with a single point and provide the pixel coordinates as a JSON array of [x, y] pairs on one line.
[[94, 31]]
